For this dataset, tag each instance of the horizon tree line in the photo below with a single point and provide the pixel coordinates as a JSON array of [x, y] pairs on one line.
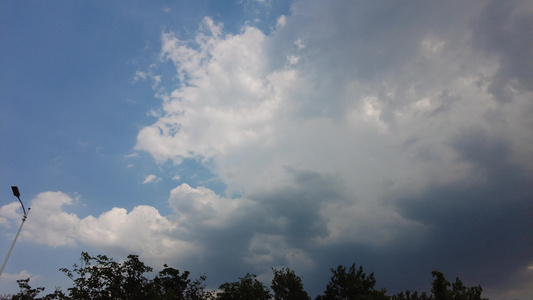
[[101, 278]]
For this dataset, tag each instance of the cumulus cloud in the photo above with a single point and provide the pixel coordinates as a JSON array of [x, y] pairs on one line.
[[370, 110], [10, 211], [234, 111], [202, 207], [142, 231], [50, 224]]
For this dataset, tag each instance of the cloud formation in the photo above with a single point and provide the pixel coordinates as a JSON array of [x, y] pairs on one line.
[[393, 135], [142, 230], [411, 116]]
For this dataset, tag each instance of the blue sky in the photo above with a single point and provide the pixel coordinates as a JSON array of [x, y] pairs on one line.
[[226, 137]]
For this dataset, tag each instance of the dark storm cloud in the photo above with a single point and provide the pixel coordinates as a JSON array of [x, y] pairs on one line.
[[295, 208], [505, 30], [480, 228], [290, 214]]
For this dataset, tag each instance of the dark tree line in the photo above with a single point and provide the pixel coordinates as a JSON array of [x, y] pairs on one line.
[[101, 278]]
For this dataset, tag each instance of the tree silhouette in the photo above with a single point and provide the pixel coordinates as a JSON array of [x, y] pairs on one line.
[[410, 295], [101, 278], [170, 284], [351, 284], [247, 288], [440, 289], [28, 293], [286, 285]]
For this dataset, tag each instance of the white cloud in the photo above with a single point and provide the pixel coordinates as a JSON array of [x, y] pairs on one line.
[[11, 211], [151, 179], [282, 20], [227, 101], [144, 75], [47, 223], [299, 44], [132, 155], [140, 75], [142, 231], [202, 207], [21, 275], [293, 59]]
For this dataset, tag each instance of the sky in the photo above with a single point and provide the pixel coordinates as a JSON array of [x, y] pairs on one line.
[[232, 137]]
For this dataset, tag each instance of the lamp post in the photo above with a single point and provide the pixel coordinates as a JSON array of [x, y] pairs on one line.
[[16, 193]]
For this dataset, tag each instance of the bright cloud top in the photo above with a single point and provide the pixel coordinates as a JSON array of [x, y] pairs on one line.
[[229, 114]]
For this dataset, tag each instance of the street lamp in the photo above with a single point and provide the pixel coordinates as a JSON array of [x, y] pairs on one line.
[[16, 193]]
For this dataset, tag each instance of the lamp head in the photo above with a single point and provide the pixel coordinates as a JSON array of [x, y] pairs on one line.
[[15, 190]]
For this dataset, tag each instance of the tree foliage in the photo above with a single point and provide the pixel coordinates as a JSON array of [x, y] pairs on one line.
[[411, 295], [100, 277], [28, 293], [248, 287], [352, 284], [440, 290], [286, 285], [170, 284]]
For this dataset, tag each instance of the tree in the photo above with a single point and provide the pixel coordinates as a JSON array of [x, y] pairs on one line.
[[352, 284], [286, 285], [196, 290], [440, 286], [440, 289], [170, 284], [246, 289], [410, 295], [28, 293], [101, 277]]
